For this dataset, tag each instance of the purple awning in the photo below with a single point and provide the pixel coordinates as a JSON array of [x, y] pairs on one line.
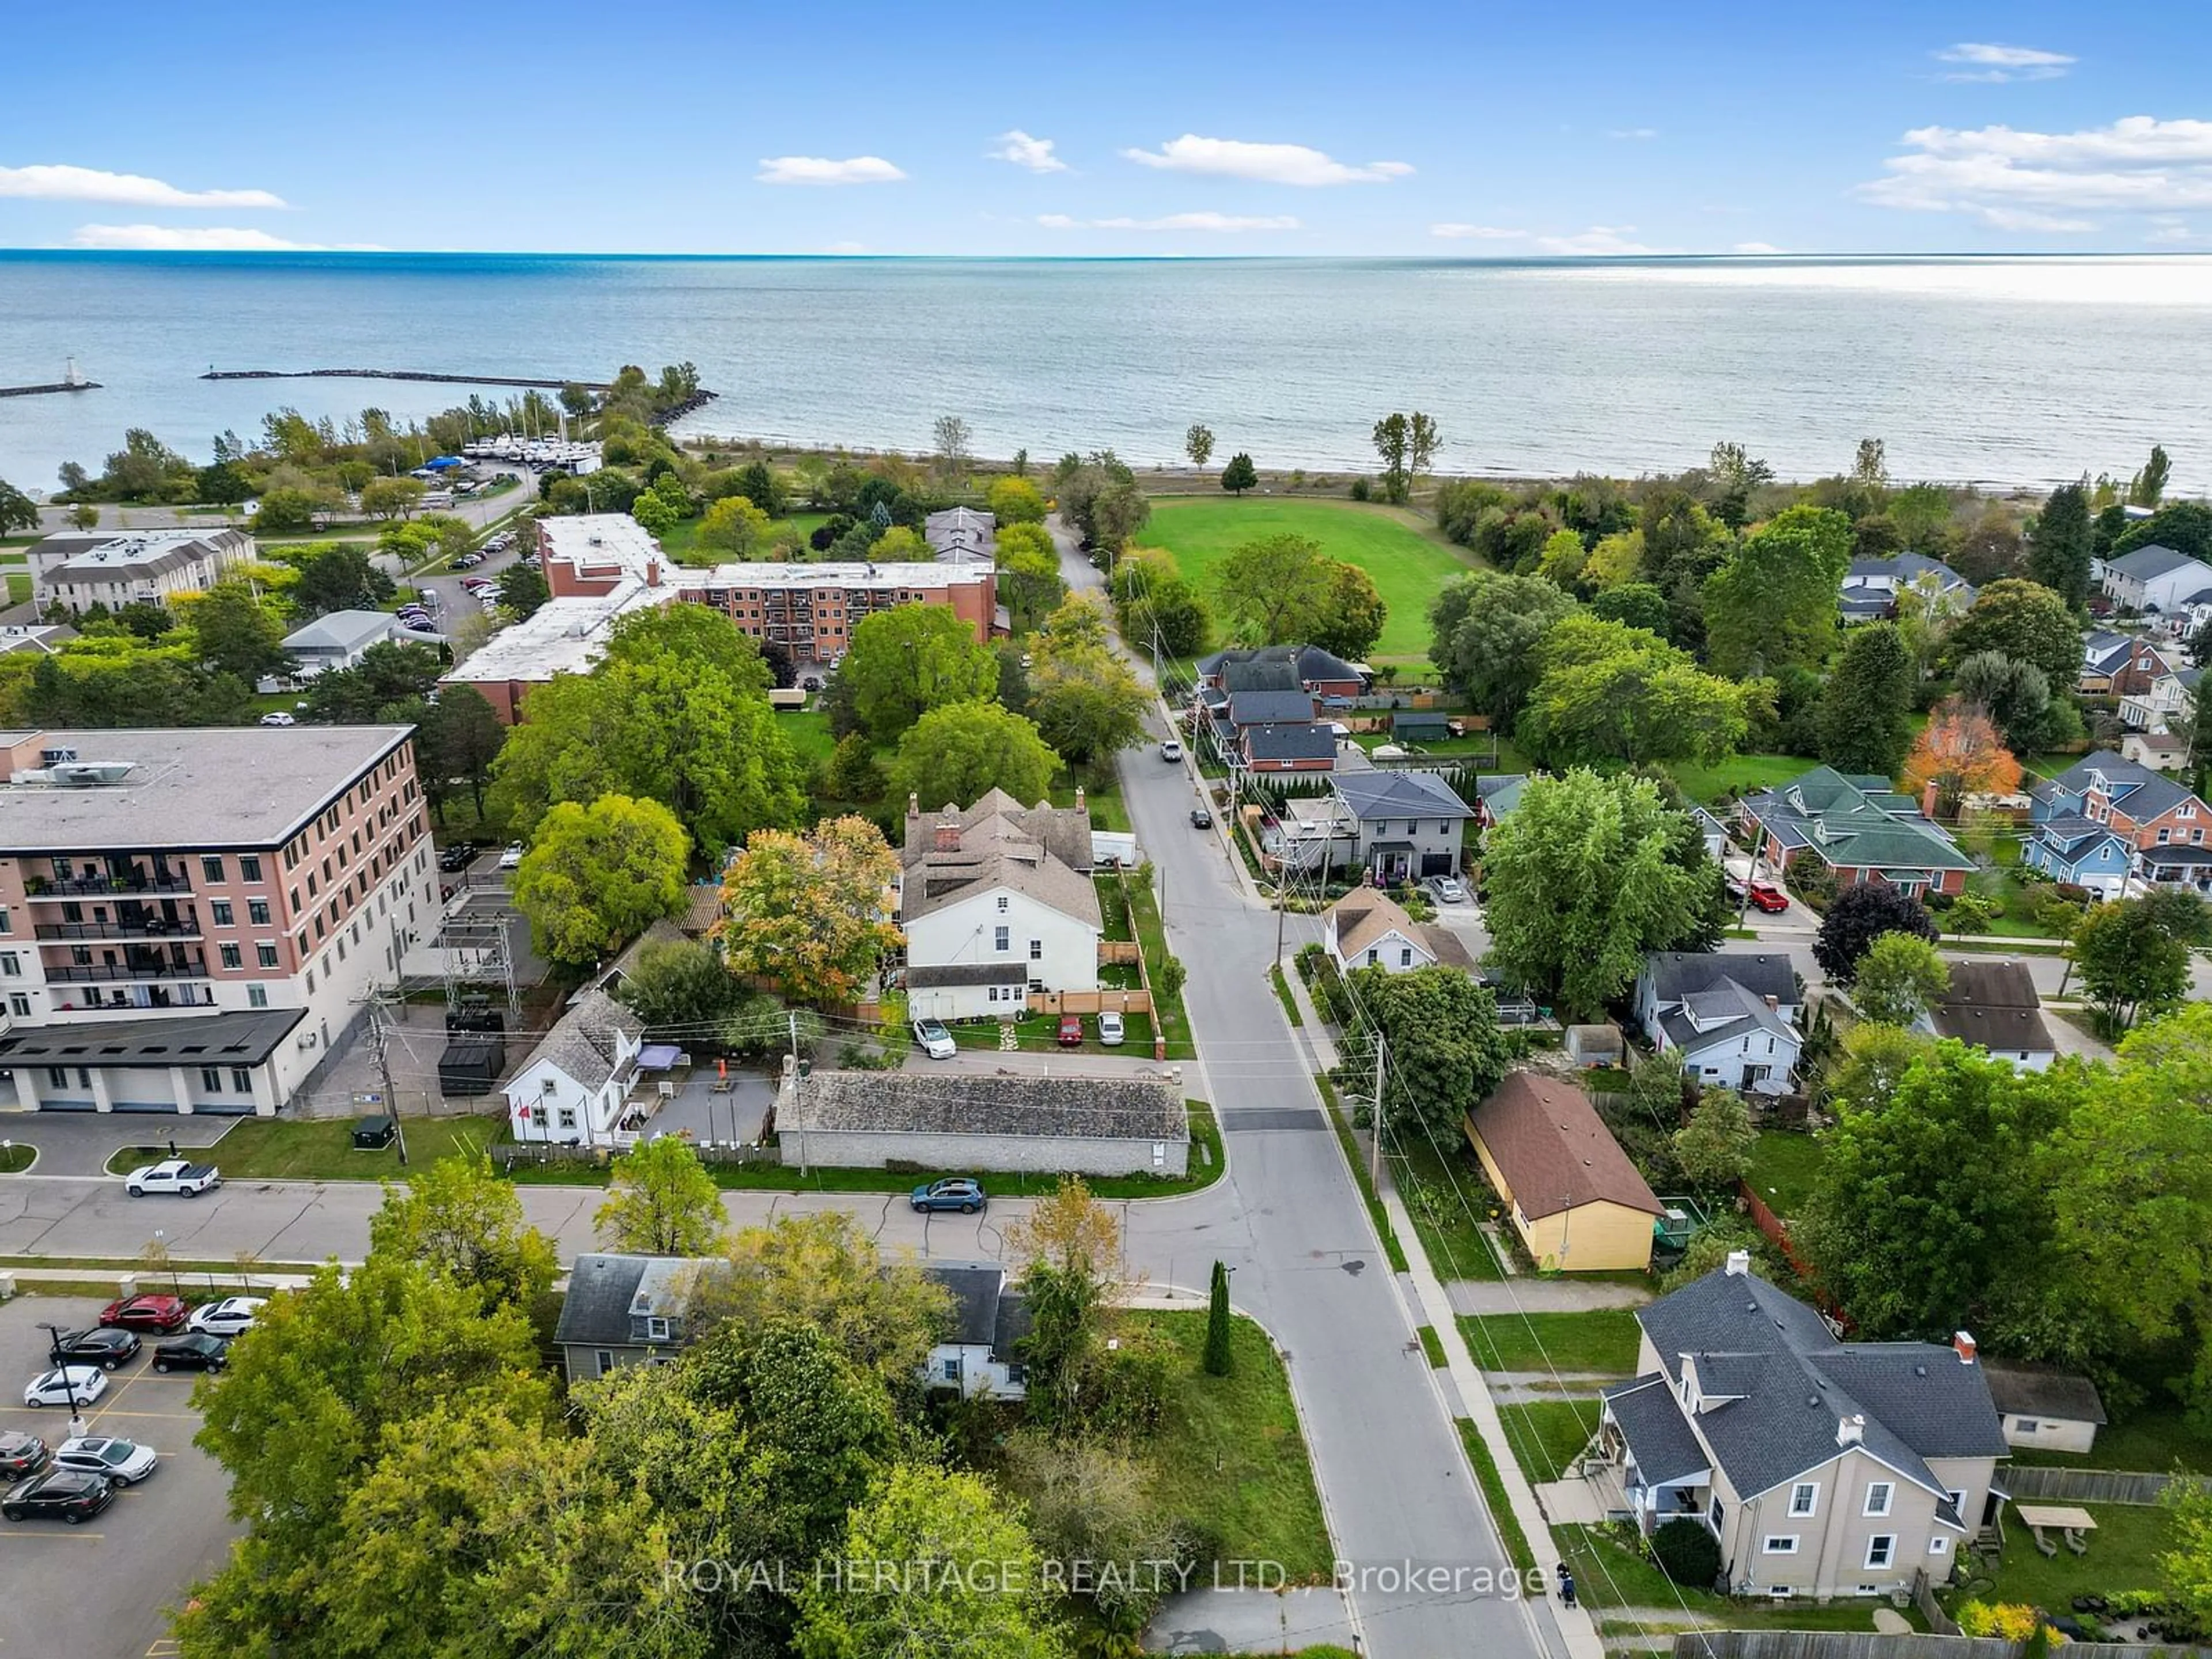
[[657, 1057]]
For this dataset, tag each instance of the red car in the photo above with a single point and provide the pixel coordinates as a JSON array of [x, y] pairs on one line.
[[1071, 1030], [147, 1313], [1769, 898]]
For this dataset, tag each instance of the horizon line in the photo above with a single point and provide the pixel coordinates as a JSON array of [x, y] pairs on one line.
[[1730, 258]]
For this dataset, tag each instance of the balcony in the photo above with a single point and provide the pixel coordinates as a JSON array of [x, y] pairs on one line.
[[136, 879], [162, 927], [144, 969], [138, 998]]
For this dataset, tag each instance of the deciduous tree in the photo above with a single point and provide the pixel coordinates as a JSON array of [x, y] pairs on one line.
[[1607, 692], [2130, 962], [1487, 629], [1015, 500], [1773, 603], [962, 752], [1350, 615], [660, 1201], [1267, 589], [2025, 620], [1961, 754], [1899, 978], [1860, 914], [2185, 527], [1086, 703], [910, 660], [734, 526], [2016, 697], [809, 912], [1714, 1147], [1443, 1050], [597, 876], [1198, 444], [459, 1218], [458, 739], [18, 512]]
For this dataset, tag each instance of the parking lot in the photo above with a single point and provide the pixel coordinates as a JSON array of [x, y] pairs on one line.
[[103, 1590]]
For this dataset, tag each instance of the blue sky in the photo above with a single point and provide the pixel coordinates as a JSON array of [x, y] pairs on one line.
[[1454, 131]]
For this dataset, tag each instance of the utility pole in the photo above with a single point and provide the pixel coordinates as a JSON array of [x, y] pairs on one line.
[[376, 1029], [1374, 1162], [1282, 887], [797, 1117]]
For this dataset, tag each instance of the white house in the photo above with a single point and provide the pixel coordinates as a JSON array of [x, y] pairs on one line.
[[79, 569], [337, 639], [2153, 578], [571, 1090], [1731, 1016], [978, 1358], [2164, 705], [1368, 929], [997, 901]]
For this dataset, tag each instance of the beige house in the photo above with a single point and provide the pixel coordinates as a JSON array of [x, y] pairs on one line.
[[1577, 1201], [1823, 1468]]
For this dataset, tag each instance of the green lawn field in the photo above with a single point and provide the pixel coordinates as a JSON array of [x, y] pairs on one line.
[[1408, 562]]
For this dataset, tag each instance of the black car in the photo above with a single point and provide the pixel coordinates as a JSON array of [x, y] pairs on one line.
[[1200, 818], [71, 1494], [197, 1353], [456, 858], [106, 1347], [20, 1454]]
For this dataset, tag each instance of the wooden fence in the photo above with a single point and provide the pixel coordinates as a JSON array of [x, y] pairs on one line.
[[1119, 952], [1090, 1002], [1764, 1219], [1853, 1644], [2088, 1485]]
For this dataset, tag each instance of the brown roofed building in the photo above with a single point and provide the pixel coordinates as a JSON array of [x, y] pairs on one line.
[[1994, 1005], [1577, 1201]]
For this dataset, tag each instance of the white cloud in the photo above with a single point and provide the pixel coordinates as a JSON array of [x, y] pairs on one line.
[[201, 239], [1755, 248], [1478, 232], [1632, 132], [820, 170], [67, 184], [1983, 61], [1023, 151], [1271, 164], [2021, 180], [2169, 230], [1207, 222]]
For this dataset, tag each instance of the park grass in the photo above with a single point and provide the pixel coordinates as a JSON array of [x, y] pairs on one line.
[[680, 540], [2151, 1440], [2124, 1553], [1602, 1340], [1407, 560], [321, 1148], [1784, 1164], [1739, 774], [1547, 1435], [1227, 1459], [807, 731]]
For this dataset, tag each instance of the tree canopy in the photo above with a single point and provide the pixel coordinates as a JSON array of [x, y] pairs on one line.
[[596, 877], [1606, 691], [910, 660], [1772, 603], [1486, 631], [1444, 1052], [962, 750], [1860, 914], [661, 1201], [2025, 620], [809, 912], [1866, 709]]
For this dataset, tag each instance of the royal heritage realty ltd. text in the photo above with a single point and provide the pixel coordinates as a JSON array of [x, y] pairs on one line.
[[1023, 1576]]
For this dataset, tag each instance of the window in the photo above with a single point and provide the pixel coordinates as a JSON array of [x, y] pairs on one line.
[[57, 1077], [211, 1079], [212, 867], [1003, 903], [606, 1361], [1780, 1544], [1877, 1498], [231, 958], [6, 925], [2029, 1425], [257, 912], [952, 1370], [220, 911], [656, 1328], [567, 1117], [18, 1004], [242, 1079], [1804, 1497], [1880, 1548], [257, 996], [1718, 1511], [1939, 1544], [249, 867], [266, 954], [1037, 950], [11, 964], [1002, 938], [1404, 956]]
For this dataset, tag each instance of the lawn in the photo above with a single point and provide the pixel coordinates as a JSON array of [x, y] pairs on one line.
[[19, 586], [1738, 775], [1610, 1573], [1152, 937], [1546, 1436], [1784, 1166], [321, 1148], [807, 731], [1408, 562], [1445, 1194], [679, 540], [1603, 1340], [2123, 1556], [1107, 811], [1227, 1459]]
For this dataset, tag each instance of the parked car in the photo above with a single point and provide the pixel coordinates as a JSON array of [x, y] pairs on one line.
[[1110, 1029], [957, 1194], [1765, 896], [936, 1042], [279, 719], [228, 1317], [124, 1461], [1200, 818], [66, 1385], [1171, 749], [512, 858], [468, 561], [20, 1454], [456, 858], [476, 584], [198, 1352], [107, 1346], [163, 1314], [1071, 1032], [177, 1175], [71, 1494], [1446, 889]]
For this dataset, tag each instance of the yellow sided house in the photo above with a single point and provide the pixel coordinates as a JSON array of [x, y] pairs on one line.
[[1577, 1201]]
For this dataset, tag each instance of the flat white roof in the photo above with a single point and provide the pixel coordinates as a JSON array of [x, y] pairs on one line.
[[563, 636], [598, 538], [849, 574]]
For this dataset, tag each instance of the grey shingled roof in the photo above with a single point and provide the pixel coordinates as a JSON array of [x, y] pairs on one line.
[[1994, 1005], [976, 1289], [930, 976], [952, 1103], [1259, 675], [2023, 1390], [1269, 707], [1294, 740], [1399, 795], [582, 1042], [2150, 562], [1042, 851], [1651, 1421], [1676, 974], [1722, 1012], [596, 1310]]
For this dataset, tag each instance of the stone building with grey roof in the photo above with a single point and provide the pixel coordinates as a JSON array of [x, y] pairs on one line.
[[997, 901], [1823, 1468], [965, 1122]]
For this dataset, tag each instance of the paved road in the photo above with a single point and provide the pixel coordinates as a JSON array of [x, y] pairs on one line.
[[477, 510]]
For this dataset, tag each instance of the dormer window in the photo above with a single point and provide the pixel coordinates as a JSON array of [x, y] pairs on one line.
[[656, 1328]]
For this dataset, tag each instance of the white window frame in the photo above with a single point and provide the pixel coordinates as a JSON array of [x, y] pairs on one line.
[[1886, 1490], [1939, 1544], [1810, 1491], [1002, 938], [1883, 1544], [656, 1328], [1781, 1543]]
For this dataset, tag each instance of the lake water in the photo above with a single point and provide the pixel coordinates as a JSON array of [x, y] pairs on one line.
[[2017, 371]]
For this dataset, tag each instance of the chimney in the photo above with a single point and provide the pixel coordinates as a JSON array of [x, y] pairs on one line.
[[1962, 1344], [913, 804], [1851, 1431], [1739, 1263], [948, 833], [1079, 799], [653, 573], [1773, 1005]]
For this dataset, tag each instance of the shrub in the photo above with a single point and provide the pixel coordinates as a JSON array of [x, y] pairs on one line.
[[1970, 912], [1361, 490], [1813, 881], [2073, 893], [1686, 1552], [2014, 1621]]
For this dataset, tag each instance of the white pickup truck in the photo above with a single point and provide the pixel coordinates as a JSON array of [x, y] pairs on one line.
[[176, 1175]]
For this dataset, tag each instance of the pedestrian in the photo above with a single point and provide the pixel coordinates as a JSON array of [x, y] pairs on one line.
[[1567, 1587]]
